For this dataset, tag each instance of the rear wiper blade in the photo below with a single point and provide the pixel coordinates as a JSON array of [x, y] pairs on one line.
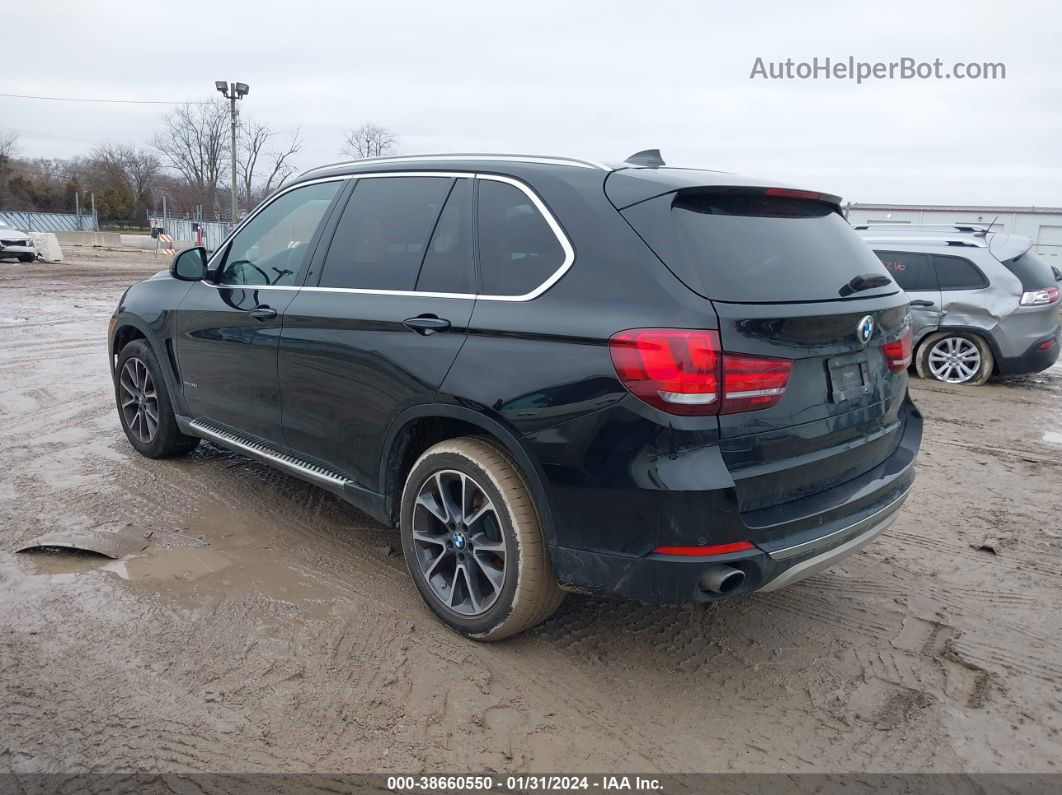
[[865, 281]]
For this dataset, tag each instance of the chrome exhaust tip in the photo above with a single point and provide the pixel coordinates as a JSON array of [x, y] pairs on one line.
[[722, 579]]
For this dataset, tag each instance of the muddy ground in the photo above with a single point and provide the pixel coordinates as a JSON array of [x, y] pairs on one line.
[[293, 640]]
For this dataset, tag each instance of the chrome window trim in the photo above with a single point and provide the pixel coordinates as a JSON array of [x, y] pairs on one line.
[[551, 221], [464, 158], [566, 246]]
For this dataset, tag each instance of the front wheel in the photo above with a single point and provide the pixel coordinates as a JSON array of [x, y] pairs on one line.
[[955, 358], [144, 404], [473, 542]]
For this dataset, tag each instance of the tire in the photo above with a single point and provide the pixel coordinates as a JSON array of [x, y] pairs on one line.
[[502, 548], [138, 377], [956, 358], [27, 258]]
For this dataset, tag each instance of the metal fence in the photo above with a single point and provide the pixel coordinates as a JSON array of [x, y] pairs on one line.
[[180, 229], [49, 222]]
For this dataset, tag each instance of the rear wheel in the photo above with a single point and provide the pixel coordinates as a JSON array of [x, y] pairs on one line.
[[473, 542], [956, 358], [144, 404]]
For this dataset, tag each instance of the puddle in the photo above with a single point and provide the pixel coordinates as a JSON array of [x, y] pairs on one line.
[[65, 562], [172, 564], [1053, 436]]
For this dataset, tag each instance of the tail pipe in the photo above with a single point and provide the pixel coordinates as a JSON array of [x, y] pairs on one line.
[[722, 579]]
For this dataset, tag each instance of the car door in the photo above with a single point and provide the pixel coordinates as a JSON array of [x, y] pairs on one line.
[[914, 272], [381, 320], [228, 325], [965, 299]]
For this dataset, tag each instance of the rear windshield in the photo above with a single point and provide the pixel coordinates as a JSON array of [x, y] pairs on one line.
[[1035, 274], [752, 248]]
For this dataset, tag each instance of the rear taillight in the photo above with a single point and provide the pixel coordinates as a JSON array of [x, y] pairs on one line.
[[898, 352], [687, 372], [1048, 295]]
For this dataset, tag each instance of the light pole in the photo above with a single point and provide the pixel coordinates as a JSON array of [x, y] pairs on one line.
[[233, 92]]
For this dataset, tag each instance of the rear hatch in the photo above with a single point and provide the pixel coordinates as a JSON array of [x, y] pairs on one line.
[[789, 279]]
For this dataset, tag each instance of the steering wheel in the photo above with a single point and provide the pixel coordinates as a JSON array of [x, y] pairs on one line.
[[248, 262]]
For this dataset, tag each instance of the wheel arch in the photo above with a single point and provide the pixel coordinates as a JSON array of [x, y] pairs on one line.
[[984, 334], [128, 328], [419, 427]]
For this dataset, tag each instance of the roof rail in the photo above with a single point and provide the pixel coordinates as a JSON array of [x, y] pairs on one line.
[[465, 156], [976, 229]]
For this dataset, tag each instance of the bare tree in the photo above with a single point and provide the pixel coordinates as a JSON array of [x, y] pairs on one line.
[[142, 168], [254, 159], [280, 163], [8, 146], [137, 168], [193, 142], [370, 140], [8, 150]]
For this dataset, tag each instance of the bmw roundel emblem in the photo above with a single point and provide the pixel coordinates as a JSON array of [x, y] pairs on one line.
[[865, 329]]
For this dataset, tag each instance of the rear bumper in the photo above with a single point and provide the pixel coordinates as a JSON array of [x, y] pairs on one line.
[[672, 579], [790, 542], [1033, 360]]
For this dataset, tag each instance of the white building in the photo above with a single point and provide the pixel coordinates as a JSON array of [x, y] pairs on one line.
[[1042, 224]]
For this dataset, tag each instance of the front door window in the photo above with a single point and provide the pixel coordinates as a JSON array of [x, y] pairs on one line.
[[272, 246]]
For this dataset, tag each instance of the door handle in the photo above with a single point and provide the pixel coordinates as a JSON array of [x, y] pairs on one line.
[[263, 313], [921, 303], [426, 324]]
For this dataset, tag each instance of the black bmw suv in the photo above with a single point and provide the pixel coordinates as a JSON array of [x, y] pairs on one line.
[[550, 374]]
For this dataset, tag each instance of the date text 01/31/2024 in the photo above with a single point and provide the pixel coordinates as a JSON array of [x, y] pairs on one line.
[[541, 783]]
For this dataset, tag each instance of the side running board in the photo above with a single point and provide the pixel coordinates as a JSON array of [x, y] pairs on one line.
[[254, 449]]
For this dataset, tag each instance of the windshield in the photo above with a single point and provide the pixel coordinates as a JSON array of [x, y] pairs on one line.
[[751, 247]]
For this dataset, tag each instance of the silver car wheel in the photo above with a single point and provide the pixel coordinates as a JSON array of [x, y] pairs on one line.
[[139, 400], [457, 538], [955, 360]]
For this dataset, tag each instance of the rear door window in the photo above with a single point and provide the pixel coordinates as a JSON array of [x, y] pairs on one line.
[[382, 236], [913, 272], [518, 250], [749, 247], [958, 273], [448, 265]]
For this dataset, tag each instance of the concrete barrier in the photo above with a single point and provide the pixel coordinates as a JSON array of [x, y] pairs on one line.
[[105, 239], [47, 246], [148, 242]]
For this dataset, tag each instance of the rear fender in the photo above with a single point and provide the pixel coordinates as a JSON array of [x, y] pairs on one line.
[[389, 462]]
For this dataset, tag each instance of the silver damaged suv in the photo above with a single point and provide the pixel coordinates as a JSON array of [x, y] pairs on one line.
[[982, 303]]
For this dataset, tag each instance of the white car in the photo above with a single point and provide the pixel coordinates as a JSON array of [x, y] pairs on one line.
[[15, 244]]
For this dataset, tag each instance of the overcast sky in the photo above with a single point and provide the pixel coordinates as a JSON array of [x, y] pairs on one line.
[[589, 79]]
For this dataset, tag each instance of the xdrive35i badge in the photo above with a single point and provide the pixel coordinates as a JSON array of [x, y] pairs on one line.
[[865, 329]]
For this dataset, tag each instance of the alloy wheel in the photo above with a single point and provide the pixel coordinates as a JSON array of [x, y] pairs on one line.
[[458, 542], [954, 359], [139, 400]]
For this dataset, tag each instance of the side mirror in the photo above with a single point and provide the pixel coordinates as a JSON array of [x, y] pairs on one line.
[[190, 265]]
